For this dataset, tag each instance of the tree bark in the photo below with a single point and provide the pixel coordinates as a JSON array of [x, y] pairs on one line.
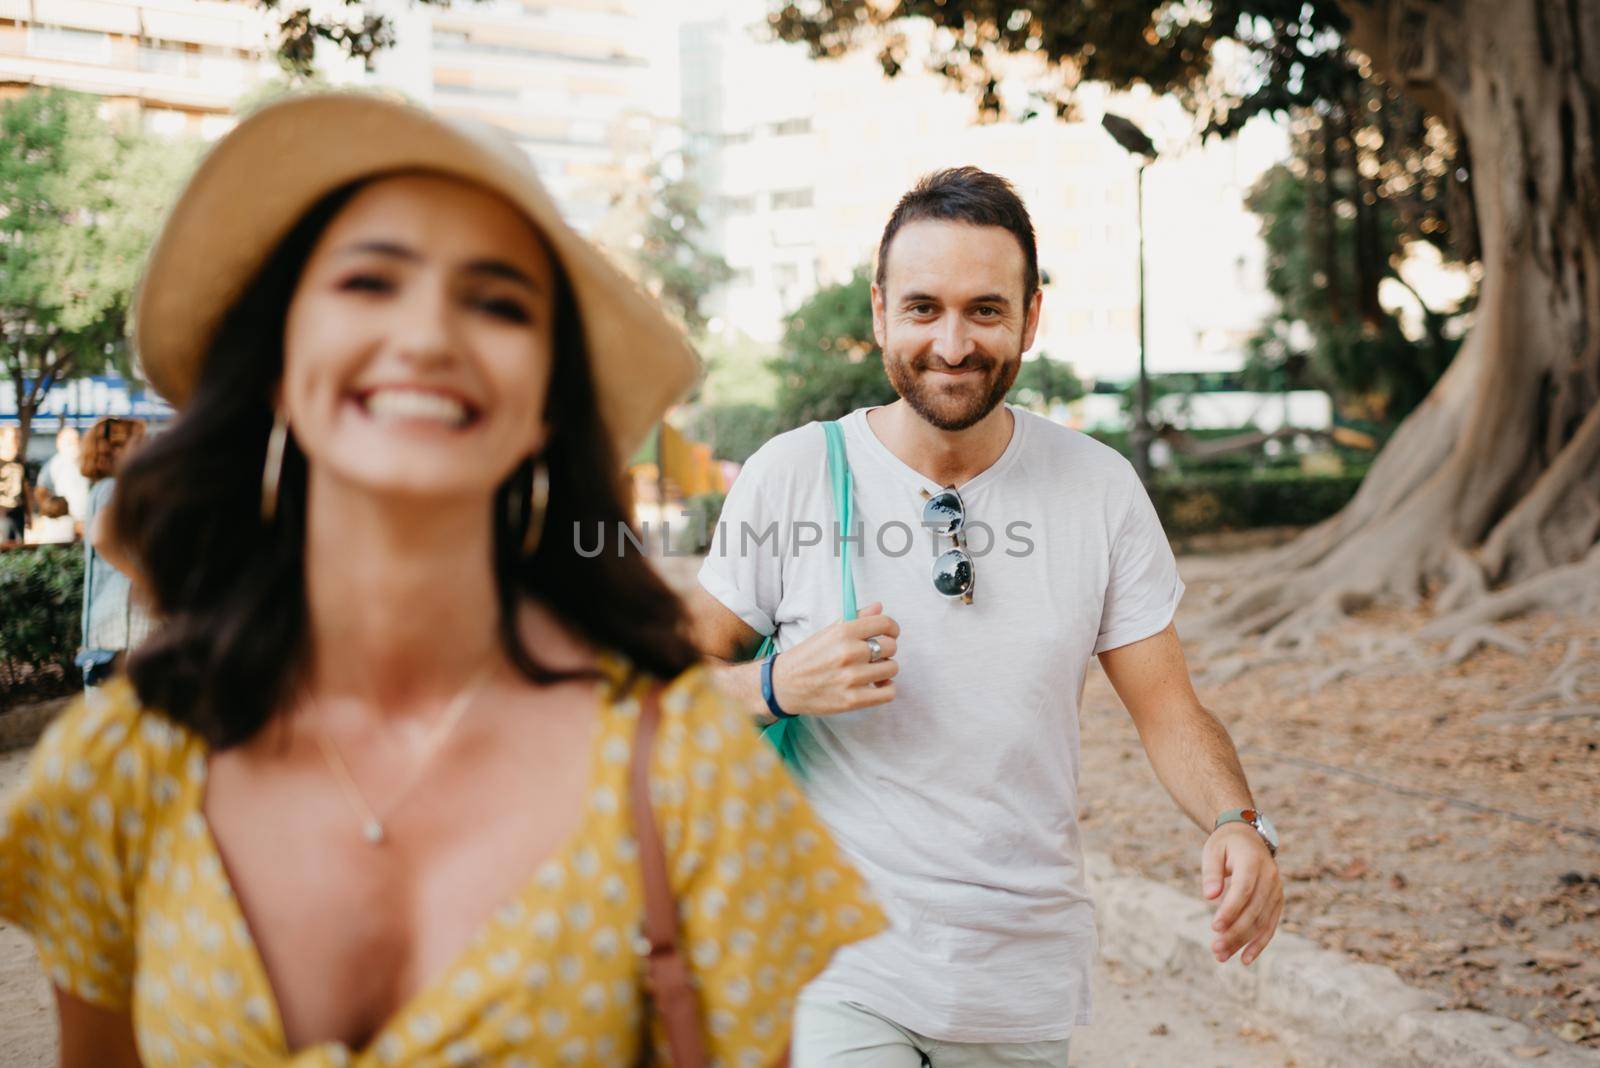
[[1495, 478]]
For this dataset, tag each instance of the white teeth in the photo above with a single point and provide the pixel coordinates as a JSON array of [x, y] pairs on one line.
[[416, 404]]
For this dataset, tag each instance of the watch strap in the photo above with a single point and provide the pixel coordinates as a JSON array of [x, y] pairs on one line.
[[1250, 817]]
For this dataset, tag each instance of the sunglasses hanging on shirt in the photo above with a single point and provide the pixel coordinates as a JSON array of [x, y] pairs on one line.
[[946, 515]]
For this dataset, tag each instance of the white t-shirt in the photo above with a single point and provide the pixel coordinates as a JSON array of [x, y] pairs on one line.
[[959, 799]]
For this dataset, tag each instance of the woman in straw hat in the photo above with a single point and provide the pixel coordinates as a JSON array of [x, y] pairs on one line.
[[364, 798]]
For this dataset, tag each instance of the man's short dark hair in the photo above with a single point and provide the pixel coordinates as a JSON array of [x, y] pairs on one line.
[[966, 195]]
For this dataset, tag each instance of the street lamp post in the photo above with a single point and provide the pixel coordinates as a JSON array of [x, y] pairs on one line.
[[1136, 143]]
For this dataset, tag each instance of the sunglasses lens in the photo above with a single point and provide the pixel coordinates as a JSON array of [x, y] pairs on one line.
[[943, 513], [952, 573]]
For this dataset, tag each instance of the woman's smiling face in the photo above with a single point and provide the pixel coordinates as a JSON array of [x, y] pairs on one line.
[[419, 342]]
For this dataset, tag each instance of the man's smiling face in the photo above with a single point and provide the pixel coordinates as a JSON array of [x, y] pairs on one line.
[[953, 318]]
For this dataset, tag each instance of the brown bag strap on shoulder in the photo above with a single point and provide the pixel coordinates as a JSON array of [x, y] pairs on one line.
[[666, 974]]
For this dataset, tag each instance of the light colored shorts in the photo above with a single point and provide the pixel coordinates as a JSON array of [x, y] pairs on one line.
[[833, 1034]]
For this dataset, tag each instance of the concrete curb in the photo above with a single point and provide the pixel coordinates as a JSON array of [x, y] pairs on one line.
[[1334, 1008], [21, 726]]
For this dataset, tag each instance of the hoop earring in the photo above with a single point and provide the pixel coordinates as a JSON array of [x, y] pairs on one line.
[[538, 505], [272, 472]]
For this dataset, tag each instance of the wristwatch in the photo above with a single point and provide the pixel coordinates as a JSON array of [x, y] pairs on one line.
[[1258, 820]]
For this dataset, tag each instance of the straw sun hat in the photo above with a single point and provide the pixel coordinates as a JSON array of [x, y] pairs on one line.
[[258, 181]]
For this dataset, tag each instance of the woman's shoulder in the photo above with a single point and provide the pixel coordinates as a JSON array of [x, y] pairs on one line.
[[108, 743], [75, 832]]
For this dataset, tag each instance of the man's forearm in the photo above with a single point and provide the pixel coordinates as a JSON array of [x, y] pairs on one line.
[[1195, 760], [742, 682]]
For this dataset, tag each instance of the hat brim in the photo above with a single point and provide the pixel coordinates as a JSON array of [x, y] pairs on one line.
[[258, 181]]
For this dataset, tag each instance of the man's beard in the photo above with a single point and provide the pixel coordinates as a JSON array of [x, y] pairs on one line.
[[952, 409]]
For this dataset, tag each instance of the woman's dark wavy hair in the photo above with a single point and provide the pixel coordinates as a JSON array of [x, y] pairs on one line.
[[231, 589]]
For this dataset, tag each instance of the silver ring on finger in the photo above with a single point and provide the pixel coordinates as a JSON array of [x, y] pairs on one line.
[[874, 650]]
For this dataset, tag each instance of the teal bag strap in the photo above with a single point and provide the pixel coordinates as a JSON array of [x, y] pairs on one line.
[[785, 733], [843, 509]]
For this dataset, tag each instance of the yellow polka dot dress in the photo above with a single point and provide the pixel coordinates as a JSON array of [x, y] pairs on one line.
[[107, 861]]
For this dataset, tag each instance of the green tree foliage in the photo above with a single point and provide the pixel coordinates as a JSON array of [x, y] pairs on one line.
[[1336, 222], [828, 363], [734, 430], [42, 591], [353, 28], [738, 370], [1373, 371], [1044, 381], [79, 204], [677, 266], [1295, 55]]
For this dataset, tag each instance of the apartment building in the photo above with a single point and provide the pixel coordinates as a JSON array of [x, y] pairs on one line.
[[574, 81], [179, 65]]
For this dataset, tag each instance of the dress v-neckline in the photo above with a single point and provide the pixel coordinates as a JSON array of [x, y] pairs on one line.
[[612, 694]]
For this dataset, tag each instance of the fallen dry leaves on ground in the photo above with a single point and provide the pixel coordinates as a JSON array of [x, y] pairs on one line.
[[1442, 819]]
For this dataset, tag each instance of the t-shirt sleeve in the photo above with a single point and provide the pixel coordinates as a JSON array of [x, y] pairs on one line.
[[67, 856], [765, 897], [743, 567], [1143, 589]]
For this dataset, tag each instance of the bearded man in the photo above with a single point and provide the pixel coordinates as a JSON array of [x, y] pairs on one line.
[[940, 726]]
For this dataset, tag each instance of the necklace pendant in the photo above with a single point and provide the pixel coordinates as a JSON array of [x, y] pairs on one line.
[[372, 831]]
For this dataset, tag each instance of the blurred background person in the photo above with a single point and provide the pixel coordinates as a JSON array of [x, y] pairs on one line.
[[113, 619], [63, 492], [13, 488]]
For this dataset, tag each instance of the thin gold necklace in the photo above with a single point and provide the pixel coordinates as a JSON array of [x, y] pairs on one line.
[[373, 828]]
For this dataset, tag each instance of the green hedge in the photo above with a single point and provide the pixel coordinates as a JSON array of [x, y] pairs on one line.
[[41, 591], [1200, 505], [704, 511]]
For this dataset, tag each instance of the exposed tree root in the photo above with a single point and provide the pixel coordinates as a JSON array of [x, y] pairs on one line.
[[1372, 645], [1558, 518], [1466, 583], [1564, 683], [1472, 639], [1394, 561], [1351, 669], [1575, 587], [1384, 544]]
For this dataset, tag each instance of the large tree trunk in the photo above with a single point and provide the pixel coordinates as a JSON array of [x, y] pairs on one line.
[[1495, 478]]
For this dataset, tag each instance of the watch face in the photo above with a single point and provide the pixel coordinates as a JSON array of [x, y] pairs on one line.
[[1268, 831]]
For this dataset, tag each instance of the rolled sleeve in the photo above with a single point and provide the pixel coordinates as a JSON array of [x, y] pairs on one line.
[[67, 862], [743, 568]]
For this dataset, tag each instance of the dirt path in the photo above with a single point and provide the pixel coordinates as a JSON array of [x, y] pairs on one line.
[[1152, 1021], [1430, 823]]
